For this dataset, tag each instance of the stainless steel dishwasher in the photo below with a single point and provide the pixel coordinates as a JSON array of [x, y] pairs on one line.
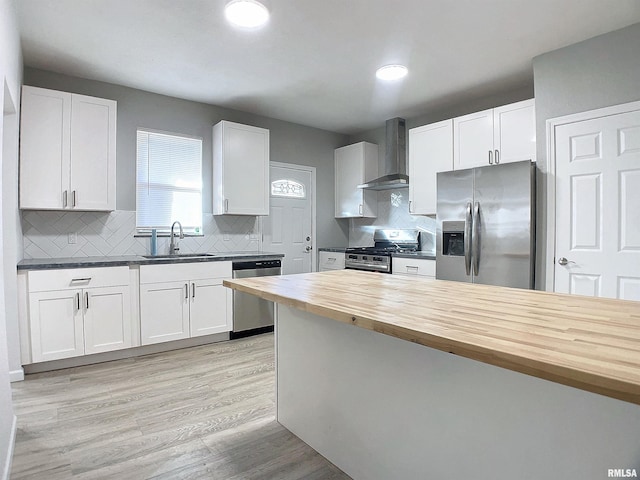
[[251, 313]]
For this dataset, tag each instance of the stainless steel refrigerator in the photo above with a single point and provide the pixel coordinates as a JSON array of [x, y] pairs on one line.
[[486, 225]]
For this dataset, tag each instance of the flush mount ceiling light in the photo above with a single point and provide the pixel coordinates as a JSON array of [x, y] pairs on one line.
[[246, 13], [392, 72]]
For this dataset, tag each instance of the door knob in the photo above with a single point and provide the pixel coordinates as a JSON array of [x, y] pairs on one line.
[[562, 261], [308, 248]]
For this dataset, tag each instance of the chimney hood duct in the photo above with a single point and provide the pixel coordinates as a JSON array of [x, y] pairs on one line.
[[395, 163]]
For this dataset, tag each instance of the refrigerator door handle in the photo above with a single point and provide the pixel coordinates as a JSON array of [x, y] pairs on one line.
[[468, 220], [475, 238]]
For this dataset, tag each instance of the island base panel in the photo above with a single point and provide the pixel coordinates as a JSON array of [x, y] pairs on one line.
[[379, 407]]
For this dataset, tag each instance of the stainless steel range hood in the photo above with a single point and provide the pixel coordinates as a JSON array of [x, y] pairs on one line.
[[395, 159]]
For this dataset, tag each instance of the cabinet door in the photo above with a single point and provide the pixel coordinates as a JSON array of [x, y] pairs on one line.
[[93, 153], [430, 152], [164, 312], [330, 261], [210, 307], [44, 148], [354, 165], [473, 140], [56, 325], [107, 319], [242, 155], [515, 132]]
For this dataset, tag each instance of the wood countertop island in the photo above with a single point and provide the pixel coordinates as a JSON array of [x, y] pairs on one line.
[[588, 343], [539, 386]]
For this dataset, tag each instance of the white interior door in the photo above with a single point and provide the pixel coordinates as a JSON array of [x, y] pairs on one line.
[[597, 251], [288, 228]]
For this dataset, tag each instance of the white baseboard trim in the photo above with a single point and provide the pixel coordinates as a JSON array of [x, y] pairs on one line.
[[126, 353], [16, 375], [12, 443]]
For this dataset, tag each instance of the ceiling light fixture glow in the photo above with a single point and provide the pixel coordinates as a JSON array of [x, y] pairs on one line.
[[246, 13], [392, 72]]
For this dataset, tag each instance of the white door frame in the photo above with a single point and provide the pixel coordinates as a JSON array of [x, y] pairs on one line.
[[312, 197], [552, 123]]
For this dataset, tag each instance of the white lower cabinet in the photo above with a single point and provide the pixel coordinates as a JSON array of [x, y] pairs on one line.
[[330, 261], [57, 330], [164, 312], [184, 300], [79, 312], [208, 311], [414, 266], [107, 319]]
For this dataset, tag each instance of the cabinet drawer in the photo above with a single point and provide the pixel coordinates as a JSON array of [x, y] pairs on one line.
[[412, 266], [184, 271], [61, 279], [331, 261]]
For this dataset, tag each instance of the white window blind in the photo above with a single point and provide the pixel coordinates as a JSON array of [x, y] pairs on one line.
[[168, 182]]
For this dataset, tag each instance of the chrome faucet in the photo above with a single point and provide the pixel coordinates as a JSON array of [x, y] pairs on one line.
[[173, 247]]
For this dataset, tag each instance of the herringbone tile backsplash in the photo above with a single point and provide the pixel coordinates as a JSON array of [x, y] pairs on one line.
[[393, 212], [46, 235]]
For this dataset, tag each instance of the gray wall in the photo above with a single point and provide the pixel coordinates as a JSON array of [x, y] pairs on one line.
[[598, 72], [290, 143]]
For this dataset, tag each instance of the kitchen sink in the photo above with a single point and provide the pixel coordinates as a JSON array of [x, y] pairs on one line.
[[178, 255]]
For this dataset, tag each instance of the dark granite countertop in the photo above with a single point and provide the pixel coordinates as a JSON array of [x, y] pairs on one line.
[[424, 255], [88, 262]]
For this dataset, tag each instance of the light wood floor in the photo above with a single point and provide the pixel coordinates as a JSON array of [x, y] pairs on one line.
[[199, 413]]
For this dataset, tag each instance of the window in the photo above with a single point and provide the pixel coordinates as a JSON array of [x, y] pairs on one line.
[[287, 188], [168, 182]]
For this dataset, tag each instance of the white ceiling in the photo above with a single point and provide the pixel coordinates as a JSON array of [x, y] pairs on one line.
[[314, 63]]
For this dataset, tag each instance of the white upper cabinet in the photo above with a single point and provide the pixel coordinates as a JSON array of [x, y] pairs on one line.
[[67, 151], [430, 152], [354, 165], [240, 169], [514, 132], [499, 135]]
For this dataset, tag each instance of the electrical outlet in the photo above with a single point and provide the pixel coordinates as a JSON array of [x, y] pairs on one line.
[[73, 238]]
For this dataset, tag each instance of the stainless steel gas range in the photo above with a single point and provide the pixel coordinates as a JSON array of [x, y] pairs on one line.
[[386, 243]]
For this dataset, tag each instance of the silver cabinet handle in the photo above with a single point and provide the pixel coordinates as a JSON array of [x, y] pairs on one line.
[[490, 157], [410, 206], [563, 261], [475, 239], [186, 291], [468, 221], [360, 210], [412, 268], [65, 200], [86, 279], [497, 157], [226, 205], [193, 290], [86, 299], [73, 198], [78, 300]]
